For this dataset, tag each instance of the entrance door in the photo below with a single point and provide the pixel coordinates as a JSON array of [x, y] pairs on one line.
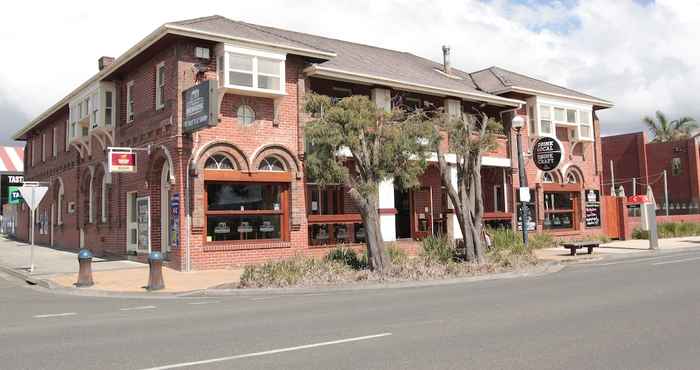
[[131, 223], [422, 212], [402, 202], [611, 216]]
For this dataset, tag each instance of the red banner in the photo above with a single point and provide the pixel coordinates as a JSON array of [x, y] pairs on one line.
[[122, 162], [637, 199]]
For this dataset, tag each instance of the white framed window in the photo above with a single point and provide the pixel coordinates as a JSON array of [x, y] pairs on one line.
[[571, 116], [547, 178], [546, 126], [109, 107], [130, 101], [160, 85], [586, 127], [531, 120], [94, 109], [251, 70], [54, 142], [43, 147], [559, 114]]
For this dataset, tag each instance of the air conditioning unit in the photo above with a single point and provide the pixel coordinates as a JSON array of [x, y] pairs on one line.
[[201, 52]]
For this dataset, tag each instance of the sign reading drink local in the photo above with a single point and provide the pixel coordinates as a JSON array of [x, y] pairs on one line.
[[547, 153]]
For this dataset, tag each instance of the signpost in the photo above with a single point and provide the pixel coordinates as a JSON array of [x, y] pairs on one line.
[[200, 106], [32, 193], [547, 153]]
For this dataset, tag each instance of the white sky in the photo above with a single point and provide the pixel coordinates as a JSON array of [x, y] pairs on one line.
[[642, 57]]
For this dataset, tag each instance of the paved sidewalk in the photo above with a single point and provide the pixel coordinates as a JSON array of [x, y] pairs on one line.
[[616, 248], [56, 267]]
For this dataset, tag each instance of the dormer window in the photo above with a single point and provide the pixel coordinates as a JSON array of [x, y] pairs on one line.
[[257, 72]]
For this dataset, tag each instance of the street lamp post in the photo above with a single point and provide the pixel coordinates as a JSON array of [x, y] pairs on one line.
[[524, 192]]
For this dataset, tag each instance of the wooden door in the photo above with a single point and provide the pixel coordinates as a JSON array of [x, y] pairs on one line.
[[422, 207], [612, 207]]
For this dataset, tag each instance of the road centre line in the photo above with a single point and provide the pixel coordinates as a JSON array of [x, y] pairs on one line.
[[676, 261], [643, 259], [137, 308], [270, 352], [55, 315]]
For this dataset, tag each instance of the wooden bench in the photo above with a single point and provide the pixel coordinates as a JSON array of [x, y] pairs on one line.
[[574, 246]]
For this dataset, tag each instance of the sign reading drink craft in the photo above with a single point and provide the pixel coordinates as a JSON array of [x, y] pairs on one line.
[[547, 153], [200, 106], [121, 160]]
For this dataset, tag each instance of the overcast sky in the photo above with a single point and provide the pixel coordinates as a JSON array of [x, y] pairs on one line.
[[643, 55]]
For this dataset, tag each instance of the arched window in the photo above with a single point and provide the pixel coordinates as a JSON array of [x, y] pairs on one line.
[[571, 178], [59, 206], [271, 164], [104, 205], [246, 114], [218, 162], [547, 178], [91, 200]]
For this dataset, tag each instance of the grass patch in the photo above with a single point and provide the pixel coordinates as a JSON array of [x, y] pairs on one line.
[[670, 230], [438, 249]]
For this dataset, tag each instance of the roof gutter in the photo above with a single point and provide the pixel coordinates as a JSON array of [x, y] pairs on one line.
[[601, 103], [316, 70], [220, 37], [120, 61]]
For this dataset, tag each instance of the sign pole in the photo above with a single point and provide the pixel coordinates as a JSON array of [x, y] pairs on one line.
[[31, 237]]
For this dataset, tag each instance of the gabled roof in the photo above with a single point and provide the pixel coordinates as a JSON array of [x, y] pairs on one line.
[[496, 80], [353, 60]]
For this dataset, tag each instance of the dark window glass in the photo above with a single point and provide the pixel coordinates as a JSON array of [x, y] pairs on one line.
[[243, 227], [243, 197]]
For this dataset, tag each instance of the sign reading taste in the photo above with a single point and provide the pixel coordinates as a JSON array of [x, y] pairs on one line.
[[547, 153]]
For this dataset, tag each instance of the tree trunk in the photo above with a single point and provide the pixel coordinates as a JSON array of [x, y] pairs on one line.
[[377, 256]]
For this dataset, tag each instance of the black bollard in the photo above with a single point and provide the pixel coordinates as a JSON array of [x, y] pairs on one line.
[[155, 275], [85, 271]]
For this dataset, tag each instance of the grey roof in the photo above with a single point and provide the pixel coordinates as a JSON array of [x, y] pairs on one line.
[[350, 57], [495, 79]]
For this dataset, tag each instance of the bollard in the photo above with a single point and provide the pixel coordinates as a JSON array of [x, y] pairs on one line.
[[85, 271], [155, 275]]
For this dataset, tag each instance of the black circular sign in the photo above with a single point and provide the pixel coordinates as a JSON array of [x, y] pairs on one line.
[[547, 153]]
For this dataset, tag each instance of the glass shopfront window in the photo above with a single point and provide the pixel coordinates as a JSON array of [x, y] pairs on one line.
[[560, 210], [331, 234], [245, 211]]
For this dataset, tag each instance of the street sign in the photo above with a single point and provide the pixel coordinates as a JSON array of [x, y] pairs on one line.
[[524, 194], [13, 195], [637, 199], [121, 160], [547, 153], [33, 194], [200, 106]]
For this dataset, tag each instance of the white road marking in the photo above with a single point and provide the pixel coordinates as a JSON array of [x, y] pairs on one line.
[[137, 308], [270, 352], [637, 260], [676, 261], [204, 302], [55, 315]]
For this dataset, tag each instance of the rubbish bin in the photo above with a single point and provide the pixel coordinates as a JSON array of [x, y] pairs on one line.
[[85, 270], [155, 275]]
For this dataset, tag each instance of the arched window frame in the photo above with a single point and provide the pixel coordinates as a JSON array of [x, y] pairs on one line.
[[218, 162], [548, 178], [267, 164]]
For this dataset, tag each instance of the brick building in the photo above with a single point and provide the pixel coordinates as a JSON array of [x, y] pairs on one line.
[[236, 192], [631, 162]]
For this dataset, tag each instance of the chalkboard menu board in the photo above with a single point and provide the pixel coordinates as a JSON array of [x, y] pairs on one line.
[[592, 213], [143, 219]]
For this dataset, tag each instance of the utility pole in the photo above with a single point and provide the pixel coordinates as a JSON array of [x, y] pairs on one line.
[[612, 177], [666, 191]]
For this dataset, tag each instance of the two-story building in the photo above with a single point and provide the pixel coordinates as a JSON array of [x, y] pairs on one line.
[[234, 191]]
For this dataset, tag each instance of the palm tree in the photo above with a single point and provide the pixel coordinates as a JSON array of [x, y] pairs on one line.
[[665, 130]]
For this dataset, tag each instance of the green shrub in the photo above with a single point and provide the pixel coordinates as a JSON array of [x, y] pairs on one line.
[[294, 271], [541, 241], [438, 248], [670, 230], [507, 248], [396, 254], [348, 257]]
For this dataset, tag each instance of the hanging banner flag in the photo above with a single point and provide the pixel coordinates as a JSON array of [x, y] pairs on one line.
[[121, 160]]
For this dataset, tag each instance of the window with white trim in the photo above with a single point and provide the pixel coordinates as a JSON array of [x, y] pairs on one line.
[[586, 127], [130, 101], [54, 142], [59, 214], [43, 147], [109, 107], [546, 127], [160, 85], [251, 70]]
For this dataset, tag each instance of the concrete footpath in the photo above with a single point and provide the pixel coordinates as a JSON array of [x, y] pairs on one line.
[[617, 248], [59, 269]]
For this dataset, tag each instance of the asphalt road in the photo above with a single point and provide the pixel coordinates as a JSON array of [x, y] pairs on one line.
[[639, 313]]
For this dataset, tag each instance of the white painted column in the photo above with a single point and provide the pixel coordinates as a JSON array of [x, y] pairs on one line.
[[386, 201], [456, 230], [382, 98], [453, 107]]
